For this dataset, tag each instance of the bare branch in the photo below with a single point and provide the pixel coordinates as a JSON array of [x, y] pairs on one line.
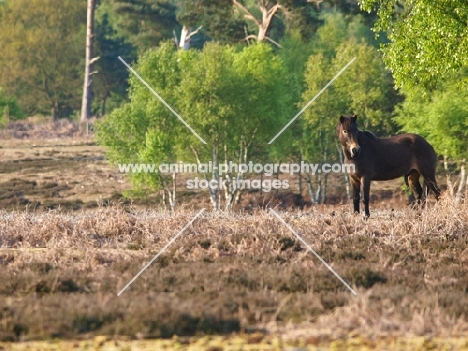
[[316, 2], [175, 38], [274, 42], [94, 60], [195, 31], [271, 12], [251, 36], [246, 35], [269, 16], [247, 13]]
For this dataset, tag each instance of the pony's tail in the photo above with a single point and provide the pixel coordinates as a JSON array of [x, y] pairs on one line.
[[432, 185]]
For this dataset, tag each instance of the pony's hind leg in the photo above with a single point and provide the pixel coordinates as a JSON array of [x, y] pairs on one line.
[[432, 186], [415, 186]]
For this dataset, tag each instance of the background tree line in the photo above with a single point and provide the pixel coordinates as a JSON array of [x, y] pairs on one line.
[[238, 71]]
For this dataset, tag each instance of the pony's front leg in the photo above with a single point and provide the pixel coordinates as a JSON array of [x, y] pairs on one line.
[[366, 182], [356, 187]]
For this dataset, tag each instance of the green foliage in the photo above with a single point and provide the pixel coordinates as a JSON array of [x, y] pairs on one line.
[[427, 39], [294, 55], [144, 23], [217, 17], [9, 109], [301, 19], [365, 88], [111, 79], [235, 100], [42, 45], [442, 119], [128, 131]]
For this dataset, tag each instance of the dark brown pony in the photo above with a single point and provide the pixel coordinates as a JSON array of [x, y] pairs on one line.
[[408, 155]]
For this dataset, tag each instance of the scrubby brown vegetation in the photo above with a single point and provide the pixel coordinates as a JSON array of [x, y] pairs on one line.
[[68, 171], [42, 128], [71, 172], [234, 272], [61, 270]]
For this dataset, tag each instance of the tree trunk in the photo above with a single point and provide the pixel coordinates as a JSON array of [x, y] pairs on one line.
[[323, 185], [311, 190], [346, 176], [215, 175], [299, 179], [87, 91], [261, 33], [263, 24], [54, 111], [184, 42], [186, 36], [323, 199], [174, 186], [213, 197], [170, 196], [462, 184], [447, 174], [235, 191], [319, 189], [104, 101]]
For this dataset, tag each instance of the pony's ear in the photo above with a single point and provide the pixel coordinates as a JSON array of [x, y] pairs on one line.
[[354, 118], [342, 119]]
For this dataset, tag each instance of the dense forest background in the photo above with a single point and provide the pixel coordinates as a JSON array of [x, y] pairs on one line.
[[238, 71]]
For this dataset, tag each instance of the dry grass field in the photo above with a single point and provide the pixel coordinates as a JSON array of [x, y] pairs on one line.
[[231, 281], [54, 166], [233, 273]]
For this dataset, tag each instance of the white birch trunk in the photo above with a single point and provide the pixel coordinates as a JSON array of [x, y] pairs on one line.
[[449, 180], [215, 176], [346, 176], [310, 189], [170, 195], [462, 184], [87, 91], [213, 197], [184, 42]]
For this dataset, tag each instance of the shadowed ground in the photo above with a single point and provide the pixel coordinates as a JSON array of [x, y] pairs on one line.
[[233, 274]]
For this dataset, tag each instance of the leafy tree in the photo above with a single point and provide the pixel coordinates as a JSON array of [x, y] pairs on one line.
[[9, 109], [89, 61], [443, 120], [261, 15], [242, 108], [144, 23], [111, 78], [365, 89], [216, 19], [427, 39], [234, 99], [42, 44], [271, 20], [427, 54], [294, 55]]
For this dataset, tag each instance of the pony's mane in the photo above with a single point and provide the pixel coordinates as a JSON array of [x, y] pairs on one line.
[[370, 135]]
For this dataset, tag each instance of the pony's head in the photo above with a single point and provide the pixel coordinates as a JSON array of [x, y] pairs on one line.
[[347, 133]]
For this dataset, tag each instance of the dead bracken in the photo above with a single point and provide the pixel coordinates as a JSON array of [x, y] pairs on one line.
[[232, 272]]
